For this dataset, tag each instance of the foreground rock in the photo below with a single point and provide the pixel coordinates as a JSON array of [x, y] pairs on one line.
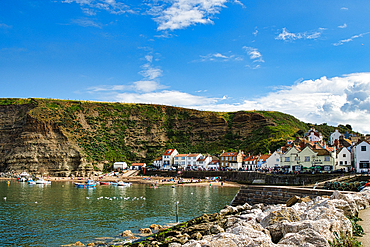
[[307, 223]]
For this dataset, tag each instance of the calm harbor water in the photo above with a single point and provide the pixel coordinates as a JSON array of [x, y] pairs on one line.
[[57, 214]]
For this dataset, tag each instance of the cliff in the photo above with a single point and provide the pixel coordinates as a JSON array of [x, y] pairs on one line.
[[59, 137]]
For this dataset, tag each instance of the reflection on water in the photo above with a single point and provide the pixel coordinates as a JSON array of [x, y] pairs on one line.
[[51, 215]]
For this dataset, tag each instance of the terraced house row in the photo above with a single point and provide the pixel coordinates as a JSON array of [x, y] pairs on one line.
[[307, 153]]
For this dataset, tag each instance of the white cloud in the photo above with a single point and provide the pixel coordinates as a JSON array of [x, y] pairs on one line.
[[344, 8], [255, 32], [87, 23], [2, 25], [343, 26], [218, 57], [183, 13], [254, 55], [286, 35], [166, 98], [89, 6], [341, 42]]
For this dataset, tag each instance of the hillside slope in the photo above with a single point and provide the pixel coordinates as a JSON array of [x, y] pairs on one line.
[[59, 136]]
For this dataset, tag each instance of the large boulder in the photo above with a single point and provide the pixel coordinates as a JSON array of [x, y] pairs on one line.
[[284, 213], [303, 237]]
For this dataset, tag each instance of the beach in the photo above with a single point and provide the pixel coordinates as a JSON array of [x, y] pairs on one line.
[[150, 180]]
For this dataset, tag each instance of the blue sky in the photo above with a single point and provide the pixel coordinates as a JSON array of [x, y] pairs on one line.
[[310, 59]]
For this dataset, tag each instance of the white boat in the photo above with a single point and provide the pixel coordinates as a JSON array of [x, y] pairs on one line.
[[121, 183], [42, 181]]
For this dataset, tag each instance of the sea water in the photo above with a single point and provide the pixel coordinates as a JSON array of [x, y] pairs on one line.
[[60, 213]]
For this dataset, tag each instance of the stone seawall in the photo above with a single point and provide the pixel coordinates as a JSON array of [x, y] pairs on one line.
[[254, 194], [248, 177]]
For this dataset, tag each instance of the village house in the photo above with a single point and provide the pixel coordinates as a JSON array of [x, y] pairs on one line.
[[361, 156], [314, 136], [274, 160], [214, 164], [344, 159], [289, 159], [203, 162], [325, 159], [262, 160], [180, 161], [119, 166], [250, 163], [334, 136], [231, 160], [137, 166], [158, 162], [168, 158]]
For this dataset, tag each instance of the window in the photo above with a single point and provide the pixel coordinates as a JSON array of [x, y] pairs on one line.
[[327, 158], [345, 162], [307, 159], [340, 162], [287, 159], [363, 148], [364, 164], [277, 160], [344, 155]]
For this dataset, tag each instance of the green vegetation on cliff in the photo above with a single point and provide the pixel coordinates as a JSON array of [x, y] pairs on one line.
[[140, 132]]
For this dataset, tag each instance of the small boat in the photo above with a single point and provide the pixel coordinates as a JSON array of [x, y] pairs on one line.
[[88, 184], [30, 181], [121, 183], [42, 181], [113, 183], [104, 183]]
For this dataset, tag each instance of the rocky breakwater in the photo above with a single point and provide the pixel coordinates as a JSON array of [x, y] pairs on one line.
[[314, 222]]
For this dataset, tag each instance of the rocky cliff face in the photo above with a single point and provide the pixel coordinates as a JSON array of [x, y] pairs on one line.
[[57, 137], [38, 147]]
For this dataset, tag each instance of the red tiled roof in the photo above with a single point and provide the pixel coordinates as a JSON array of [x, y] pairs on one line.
[[193, 155], [159, 158], [138, 164], [181, 155], [169, 151], [229, 154]]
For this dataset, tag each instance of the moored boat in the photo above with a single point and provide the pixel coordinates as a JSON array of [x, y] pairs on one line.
[[88, 184], [104, 183], [121, 183], [42, 181], [31, 181]]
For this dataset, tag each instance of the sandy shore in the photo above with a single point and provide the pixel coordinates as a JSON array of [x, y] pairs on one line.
[[146, 180]]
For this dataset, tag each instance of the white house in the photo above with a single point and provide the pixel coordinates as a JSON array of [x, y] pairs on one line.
[[180, 161], [274, 160], [314, 136], [250, 163], [191, 160], [344, 159], [158, 162], [361, 155], [334, 136], [168, 158], [203, 162], [119, 166], [137, 166], [214, 164]]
